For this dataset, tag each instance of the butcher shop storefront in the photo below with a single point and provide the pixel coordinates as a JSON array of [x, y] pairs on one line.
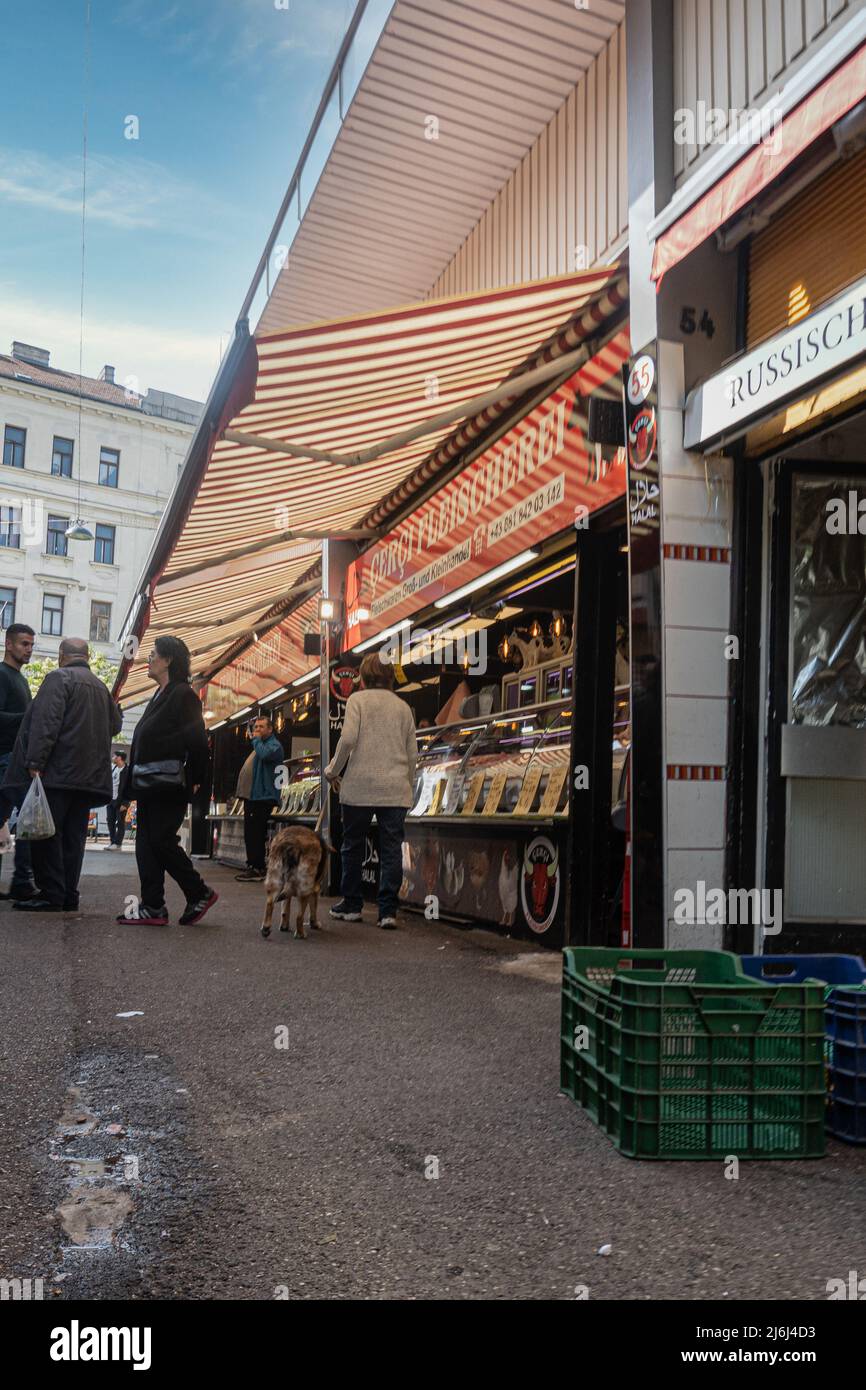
[[474, 598]]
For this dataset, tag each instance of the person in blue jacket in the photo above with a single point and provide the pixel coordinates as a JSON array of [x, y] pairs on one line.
[[262, 797]]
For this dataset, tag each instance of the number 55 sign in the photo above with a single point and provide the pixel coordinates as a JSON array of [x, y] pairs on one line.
[[640, 379]]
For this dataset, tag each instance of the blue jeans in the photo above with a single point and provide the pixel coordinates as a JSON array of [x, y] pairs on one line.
[[22, 872], [356, 824]]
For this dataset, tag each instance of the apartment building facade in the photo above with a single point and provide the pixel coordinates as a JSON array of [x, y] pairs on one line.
[[92, 452]]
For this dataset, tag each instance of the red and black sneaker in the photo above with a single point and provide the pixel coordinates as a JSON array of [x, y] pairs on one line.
[[145, 917], [195, 911]]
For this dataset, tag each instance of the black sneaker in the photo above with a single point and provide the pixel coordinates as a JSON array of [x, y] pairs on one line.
[[344, 913], [250, 876], [195, 911], [23, 893], [37, 904], [147, 916]]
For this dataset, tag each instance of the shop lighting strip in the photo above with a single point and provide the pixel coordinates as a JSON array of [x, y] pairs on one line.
[[552, 572], [381, 636]]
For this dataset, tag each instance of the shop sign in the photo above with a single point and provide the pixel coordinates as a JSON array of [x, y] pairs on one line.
[[528, 486], [777, 371], [345, 680]]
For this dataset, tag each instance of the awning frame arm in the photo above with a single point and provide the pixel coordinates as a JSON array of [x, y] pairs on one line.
[[357, 533], [510, 389]]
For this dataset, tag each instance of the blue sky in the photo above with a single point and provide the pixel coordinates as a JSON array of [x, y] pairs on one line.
[[224, 92]]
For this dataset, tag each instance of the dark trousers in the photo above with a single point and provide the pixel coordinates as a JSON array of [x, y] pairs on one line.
[[256, 815], [22, 869], [356, 826], [116, 822], [158, 852], [57, 862]]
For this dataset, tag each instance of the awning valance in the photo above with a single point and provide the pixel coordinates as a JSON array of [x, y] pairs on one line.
[[340, 388], [765, 161]]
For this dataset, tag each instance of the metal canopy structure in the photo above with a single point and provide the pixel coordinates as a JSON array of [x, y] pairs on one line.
[[454, 96], [340, 388]]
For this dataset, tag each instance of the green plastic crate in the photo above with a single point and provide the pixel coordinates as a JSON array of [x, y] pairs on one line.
[[685, 1056]]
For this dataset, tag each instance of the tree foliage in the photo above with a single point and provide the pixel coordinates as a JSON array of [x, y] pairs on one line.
[[37, 670]]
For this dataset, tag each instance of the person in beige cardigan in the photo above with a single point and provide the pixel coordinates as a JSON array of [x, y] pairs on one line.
[[378, 751]]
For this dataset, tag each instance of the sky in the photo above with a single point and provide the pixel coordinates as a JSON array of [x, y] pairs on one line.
[[223, 93]]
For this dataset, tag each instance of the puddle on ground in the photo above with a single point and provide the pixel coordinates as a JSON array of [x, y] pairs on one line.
[[76, 1118], [535, 965], [92, 1215]]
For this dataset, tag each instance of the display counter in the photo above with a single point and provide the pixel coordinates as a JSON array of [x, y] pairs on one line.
[[299, 786], [486, 834]]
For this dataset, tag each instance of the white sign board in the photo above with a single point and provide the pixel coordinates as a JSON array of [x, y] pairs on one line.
[[778, 371]]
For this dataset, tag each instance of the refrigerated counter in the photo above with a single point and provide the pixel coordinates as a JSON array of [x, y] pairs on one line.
[[299, 785], [487, 833]]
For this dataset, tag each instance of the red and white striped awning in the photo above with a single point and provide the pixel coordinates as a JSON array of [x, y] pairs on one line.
[[340, 388]]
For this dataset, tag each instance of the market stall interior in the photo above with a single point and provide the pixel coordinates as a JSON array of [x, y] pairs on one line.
[[493, 690]]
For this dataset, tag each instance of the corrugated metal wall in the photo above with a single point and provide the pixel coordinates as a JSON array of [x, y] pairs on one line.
[[566, 204], [735, 54]]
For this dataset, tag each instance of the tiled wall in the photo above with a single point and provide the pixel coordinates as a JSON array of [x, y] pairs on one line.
[[696, 522]]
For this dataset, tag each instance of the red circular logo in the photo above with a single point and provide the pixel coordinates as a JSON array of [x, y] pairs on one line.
[[344, 682], [642, 437]]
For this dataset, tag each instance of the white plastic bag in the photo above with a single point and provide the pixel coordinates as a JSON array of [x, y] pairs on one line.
[[35, 821]]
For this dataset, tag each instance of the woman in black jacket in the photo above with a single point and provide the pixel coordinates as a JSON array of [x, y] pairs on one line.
[[170, 734]]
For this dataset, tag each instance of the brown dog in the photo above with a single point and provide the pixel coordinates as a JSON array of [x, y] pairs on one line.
[[297, 859]]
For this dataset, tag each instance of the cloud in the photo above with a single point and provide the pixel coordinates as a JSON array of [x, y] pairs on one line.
[[129, 193], [166, 359], [240, 35]]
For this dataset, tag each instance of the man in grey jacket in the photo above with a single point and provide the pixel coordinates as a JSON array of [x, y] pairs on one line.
[[65, 738]]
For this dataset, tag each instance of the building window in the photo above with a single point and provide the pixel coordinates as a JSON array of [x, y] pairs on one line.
[[10, 527], [57, 542], [100, 621], [7, 607], [14, 440], [109, 462], [52, 615], [103, 549], [61, 458]]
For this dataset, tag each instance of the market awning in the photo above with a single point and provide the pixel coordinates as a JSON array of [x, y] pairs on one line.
[[765, 161], [338, 389]]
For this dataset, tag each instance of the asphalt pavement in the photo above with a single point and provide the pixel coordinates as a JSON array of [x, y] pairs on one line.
[[361, 1114]]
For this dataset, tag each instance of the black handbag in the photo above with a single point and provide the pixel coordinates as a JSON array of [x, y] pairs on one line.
[[167, 774]]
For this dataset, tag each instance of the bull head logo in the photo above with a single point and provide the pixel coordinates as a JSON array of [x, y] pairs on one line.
[[540, 872]]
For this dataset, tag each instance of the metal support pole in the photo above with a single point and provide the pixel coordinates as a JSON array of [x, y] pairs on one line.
[[325, 699]]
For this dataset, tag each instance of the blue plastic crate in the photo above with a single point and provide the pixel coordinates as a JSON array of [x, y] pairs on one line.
[[845, 1030]]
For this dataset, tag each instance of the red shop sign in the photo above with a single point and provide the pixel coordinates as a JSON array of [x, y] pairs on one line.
[[533, 482]]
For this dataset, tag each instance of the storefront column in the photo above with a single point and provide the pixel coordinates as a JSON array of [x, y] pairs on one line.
[[649, 62], [336, 558]]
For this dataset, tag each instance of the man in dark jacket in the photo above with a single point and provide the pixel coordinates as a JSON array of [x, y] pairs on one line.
[[65, 738], [14, 699]]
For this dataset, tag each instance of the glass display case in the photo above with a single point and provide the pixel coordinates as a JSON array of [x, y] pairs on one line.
[[503, 765], [301, 789]]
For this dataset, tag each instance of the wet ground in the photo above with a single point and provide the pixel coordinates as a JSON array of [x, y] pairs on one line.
[[358, 1115]]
